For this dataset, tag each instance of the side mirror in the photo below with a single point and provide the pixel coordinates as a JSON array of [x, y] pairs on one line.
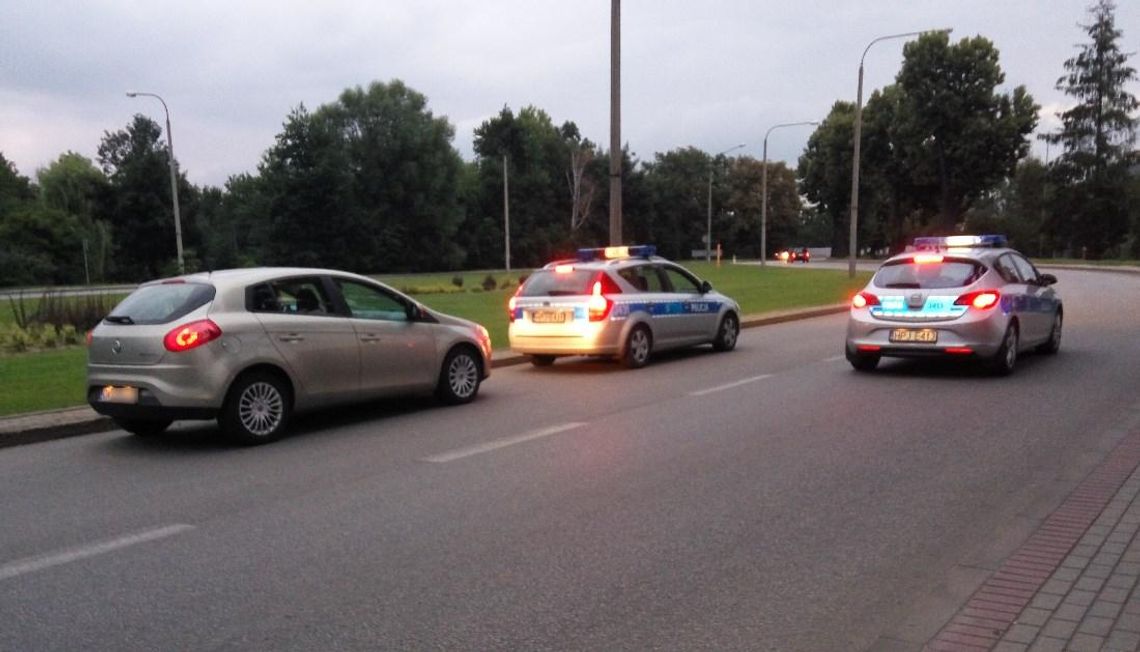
[[706, 287], [414, 312], [1046, 279]]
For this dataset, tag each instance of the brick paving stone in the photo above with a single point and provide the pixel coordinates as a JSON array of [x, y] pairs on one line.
[[1105, 609], [1010, 647], [1022, 634], [1100, 571], [1057, 587], [1059, 628], [1036, 617], [1114, 595], [1043, 601], [1128, 568], [1095, 625], [1122, 582], [1045, 644], [1105, 559], [1083, 598], [1066, 574], [1071, 612], [1086, 643], [1122, 642], [1128, 623], [1089, 584], [1075, 561]]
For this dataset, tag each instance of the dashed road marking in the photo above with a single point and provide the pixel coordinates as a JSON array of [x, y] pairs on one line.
[[718, 388], [33, 564], [460, 453]]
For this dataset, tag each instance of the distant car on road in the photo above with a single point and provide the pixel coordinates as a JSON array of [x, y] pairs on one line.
[[958, 296], [624, 302], [250, 347], [792, 254]]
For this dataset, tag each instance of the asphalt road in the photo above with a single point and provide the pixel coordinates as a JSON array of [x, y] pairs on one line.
[[768, 498]]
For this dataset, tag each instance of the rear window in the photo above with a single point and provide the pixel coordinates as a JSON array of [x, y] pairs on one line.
[[548, 283], [162, 303], [928, 276]]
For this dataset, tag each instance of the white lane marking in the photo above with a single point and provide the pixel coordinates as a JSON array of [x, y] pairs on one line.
[[33, 564], [710, 390], [835, 358], [460, 453]]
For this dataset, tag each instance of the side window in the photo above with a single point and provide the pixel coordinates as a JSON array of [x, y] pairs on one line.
[[682, 282], [303, 296], [1025, 268], [643, 277], [1006, 270], [368, 302]]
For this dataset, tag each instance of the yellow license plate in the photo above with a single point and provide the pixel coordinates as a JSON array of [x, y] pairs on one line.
[[548, 316], [916, 335], [112, 394]]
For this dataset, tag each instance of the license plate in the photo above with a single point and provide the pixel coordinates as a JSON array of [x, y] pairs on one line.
[[112, 394], [548, 316], [918, 335]]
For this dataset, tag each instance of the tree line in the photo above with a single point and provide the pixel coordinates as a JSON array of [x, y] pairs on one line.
[[372, 183]]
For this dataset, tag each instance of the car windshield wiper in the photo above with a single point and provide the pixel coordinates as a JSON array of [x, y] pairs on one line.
[[896, 286], [119, 319]]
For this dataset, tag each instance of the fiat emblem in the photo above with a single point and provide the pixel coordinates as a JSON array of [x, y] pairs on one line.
[[117, 347]]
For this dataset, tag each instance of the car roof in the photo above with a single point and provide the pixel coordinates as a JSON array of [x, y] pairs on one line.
[[252, 275], [613, 263], [980, 254]]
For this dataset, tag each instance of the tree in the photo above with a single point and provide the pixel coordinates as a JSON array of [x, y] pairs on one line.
[[1097, 133], [825, 167], [73, 185], [956, 134]]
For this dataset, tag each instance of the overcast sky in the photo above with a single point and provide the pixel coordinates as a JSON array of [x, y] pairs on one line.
[[711, 74]]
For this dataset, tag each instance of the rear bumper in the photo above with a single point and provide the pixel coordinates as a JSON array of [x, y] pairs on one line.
[[593, 338], [969, 335], [148, 408]]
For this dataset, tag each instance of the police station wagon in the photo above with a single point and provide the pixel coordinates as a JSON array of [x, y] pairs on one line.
[[622, 302]]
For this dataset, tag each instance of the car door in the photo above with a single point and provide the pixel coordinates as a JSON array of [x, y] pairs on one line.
[[317, 344], [1040, 301], [655, 300], [397, 353], [697, 320]]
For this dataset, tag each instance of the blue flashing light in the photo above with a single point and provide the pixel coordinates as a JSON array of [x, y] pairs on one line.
[[613, 253], [936, 243]]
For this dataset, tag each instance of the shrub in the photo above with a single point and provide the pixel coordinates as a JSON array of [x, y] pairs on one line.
[[457, 281], [489, 283]]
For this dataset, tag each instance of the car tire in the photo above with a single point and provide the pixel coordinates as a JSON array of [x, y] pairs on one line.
[[459, 377], [258, 409], [1005, 360], [638, 347], [863, 362], [1053, 344], [727, 333], [144, 427], [542, 360]]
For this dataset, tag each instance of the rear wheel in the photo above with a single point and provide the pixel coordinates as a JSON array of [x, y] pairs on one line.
[[459, 378], [1054, 343], [144, 427], [863, 361], [258, 409], [1004, 361], [638, 346], [727, 333], [542, 360]]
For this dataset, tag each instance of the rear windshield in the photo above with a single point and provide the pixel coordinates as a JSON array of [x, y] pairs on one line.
[[548, 283], [159, 304], [928, 276]]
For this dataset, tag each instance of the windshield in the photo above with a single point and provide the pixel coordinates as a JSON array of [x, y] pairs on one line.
[[548, 283], [907, 274], [162, 303]]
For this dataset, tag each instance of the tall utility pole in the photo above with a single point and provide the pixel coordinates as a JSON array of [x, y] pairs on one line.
[[506, 217], [615, 122], [708, 230], [764, 190], [173, 177]]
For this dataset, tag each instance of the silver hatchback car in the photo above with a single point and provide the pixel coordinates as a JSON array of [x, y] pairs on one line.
[[250, 347], [623, 302], [958, 296]]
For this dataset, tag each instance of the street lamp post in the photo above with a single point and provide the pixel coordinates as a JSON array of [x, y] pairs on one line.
[[858, 134], [764, 189], [708, 232], [173, 177]]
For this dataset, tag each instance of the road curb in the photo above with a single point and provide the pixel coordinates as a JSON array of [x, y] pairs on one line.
[[38, 427]]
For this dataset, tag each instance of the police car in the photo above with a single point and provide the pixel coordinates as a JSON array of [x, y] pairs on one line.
[[624, 302], [957, 296]]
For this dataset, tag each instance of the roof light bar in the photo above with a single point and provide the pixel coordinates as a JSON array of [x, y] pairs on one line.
[[936, 243], [611, 253]]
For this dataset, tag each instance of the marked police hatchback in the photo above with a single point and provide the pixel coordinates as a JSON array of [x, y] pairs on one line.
[[251, 346], [958, 296], [623, 302]]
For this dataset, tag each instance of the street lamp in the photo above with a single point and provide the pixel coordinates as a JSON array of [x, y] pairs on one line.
[[173, 177], [764, 189], [858, 133], [708, 232]]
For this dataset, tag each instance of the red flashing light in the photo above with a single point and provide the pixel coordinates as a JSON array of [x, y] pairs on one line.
[[864, 299], [191, 336], [599, 305], [927, 259], [981, 300], [868, 348], [512, 303], [563, 269], [959, 350]]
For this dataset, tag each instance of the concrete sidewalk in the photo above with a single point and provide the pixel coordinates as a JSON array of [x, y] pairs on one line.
[[55, 424]]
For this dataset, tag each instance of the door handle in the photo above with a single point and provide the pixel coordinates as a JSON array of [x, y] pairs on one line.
[[370, 338], [291, 337]]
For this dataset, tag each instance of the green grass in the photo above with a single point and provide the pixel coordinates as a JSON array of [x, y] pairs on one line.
[[1078, 261], [42, 381], [55, 378]]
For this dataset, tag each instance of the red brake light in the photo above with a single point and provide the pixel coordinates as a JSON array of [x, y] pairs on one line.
[[90, 337], [864, 299], [981, 300], [192, 335], [599, 305], [926, 259]]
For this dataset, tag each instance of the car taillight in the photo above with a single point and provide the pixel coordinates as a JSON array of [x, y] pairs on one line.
[[599, 305], [982, 300], [90, 336], [512, 303], [191, 336], [864, 299]]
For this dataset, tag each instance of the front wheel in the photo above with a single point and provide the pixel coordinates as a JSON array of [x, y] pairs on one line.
[[637, 348], [459, 378], [1004, 361], [727, 333], [144, 427], [257, 410]]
